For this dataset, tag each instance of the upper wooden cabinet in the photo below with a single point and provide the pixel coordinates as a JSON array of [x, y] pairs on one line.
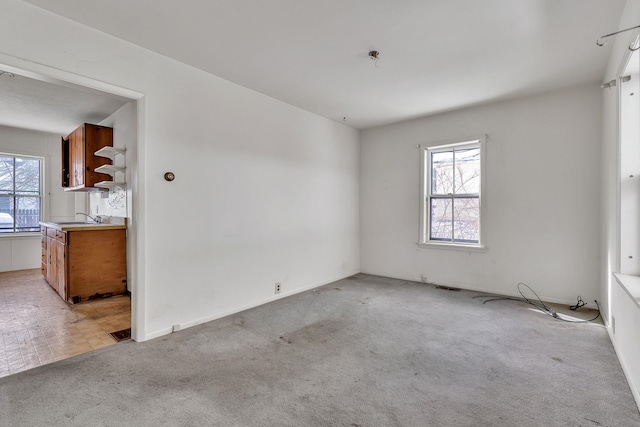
[[79, 162]]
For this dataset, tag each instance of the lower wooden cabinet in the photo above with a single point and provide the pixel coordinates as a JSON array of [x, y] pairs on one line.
[[84, 264]]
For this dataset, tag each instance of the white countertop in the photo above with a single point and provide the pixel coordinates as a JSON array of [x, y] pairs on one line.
[[83, 226]]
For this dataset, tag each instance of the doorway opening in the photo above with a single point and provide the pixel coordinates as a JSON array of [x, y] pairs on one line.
[[38, 106]]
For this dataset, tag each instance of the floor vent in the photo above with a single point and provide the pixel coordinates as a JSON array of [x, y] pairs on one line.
[[447, 288], [122, 335]]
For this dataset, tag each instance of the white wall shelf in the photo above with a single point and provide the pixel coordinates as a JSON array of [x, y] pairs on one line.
[[110, 169], [109, 184], [110, 152]]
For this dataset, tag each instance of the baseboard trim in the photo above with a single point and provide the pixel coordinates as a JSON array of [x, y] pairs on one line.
[[185, 325], [474, 288], [635, 391], [18, 268]]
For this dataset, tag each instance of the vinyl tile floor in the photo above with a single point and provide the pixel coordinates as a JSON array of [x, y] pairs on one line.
[[37, 327]]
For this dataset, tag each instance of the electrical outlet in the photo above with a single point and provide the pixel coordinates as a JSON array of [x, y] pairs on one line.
[[278, 285], [423, 278]]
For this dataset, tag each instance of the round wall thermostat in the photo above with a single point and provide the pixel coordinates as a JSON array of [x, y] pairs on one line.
[[169, 176]]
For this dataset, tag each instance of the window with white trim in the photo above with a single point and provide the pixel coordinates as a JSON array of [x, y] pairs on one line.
[[20, 193], [452, 190]]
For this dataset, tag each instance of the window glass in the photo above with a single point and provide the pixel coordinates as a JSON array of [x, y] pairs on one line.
[[441, 219], [467, 172], [442, 172], [6, 175], [27, 176], [466, 220], [20, 194]]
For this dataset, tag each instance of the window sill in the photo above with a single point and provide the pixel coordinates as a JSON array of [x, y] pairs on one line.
[[631, 285], [452, 247]]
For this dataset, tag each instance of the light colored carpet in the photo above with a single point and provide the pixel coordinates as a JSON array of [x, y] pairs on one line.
[[364, 351]]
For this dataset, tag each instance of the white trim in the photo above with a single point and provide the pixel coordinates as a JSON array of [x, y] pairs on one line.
[[635, 388], [19, 268], [29, 234], [631, 285], [472, 288], [616, 267], [455, 141], [35, 70], [423, 151], [632, 38], [452, 246]]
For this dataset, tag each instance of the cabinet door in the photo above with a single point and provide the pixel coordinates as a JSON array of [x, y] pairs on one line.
[[61, 269], [77, 149], [52, 270], [66, 167], [45, 255], [78, 159]]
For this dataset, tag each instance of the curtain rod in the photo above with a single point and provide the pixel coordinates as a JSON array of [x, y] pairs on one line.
[[631, 48]]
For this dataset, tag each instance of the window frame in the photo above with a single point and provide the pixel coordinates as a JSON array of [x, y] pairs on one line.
[[424, 240], [41, 195]]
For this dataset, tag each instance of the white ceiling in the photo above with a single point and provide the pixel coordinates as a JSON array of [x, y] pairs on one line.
[[434, 55], [51, 106]]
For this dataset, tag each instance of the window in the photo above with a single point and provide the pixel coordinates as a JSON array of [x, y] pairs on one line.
[[20, 193], [451, 196]]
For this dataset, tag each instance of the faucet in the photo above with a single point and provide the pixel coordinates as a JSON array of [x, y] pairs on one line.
[[97, 219]]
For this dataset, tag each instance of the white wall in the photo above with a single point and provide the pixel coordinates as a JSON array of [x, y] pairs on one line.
[[23, 252], [541, 200], [119, 202], [264, 191]]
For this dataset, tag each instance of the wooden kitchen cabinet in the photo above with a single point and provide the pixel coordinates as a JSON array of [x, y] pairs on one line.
[[84, 264], [59, 276], [78, 159], [54, 258]]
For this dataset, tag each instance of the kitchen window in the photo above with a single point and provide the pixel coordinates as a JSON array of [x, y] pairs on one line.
[[20, 193], [451, 182]]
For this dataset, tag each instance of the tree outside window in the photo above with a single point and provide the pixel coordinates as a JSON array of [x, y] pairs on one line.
[[20, 193]]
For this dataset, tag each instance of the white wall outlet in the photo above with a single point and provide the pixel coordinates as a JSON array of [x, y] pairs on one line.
[[423, 278], [278, 286]]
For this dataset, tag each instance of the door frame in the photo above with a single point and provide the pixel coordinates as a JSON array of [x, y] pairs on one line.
[[135, 229]]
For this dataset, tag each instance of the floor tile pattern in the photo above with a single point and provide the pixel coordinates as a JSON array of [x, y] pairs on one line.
[[38, 327]]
